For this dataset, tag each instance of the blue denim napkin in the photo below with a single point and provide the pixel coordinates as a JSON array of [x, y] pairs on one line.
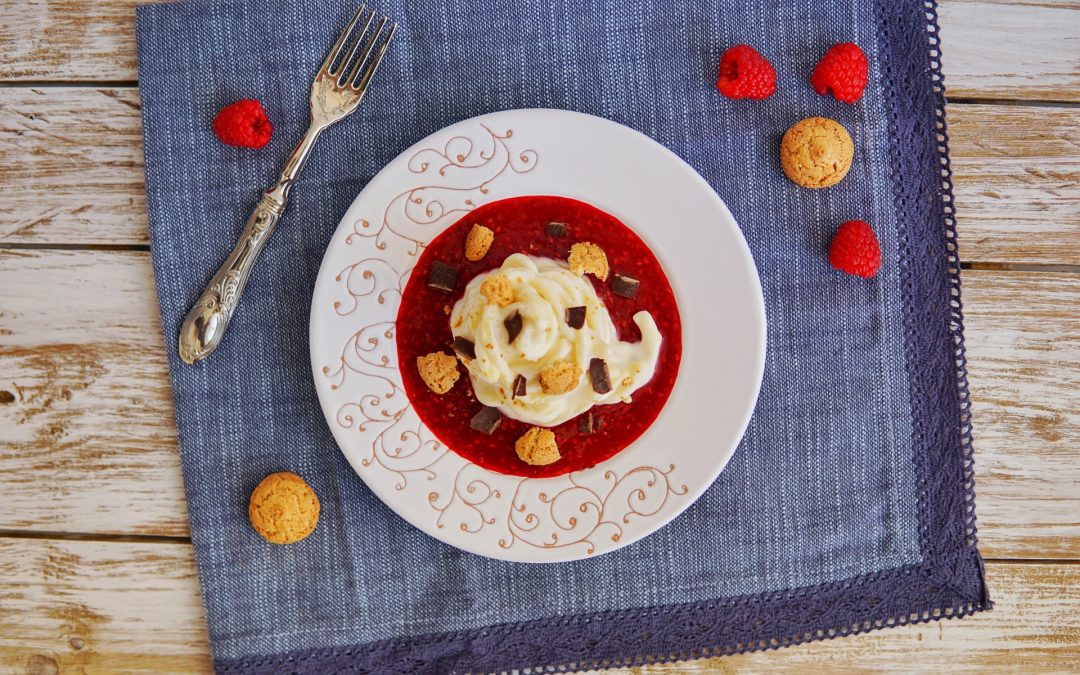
[[849, 503]]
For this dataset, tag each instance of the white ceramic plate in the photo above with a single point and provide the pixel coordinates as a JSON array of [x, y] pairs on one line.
[[537, 152]]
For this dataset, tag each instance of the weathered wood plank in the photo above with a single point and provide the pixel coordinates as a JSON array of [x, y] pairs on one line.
[[1008, 49], [1016, 178], [71, 163], [135, 607], [87, 440], [1023, 339], [1018, 50], [82, 606]]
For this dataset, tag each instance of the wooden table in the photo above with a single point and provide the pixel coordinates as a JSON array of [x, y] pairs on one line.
[[96, 568]]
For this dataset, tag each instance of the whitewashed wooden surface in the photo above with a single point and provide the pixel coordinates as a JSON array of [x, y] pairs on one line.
[[96, 570]]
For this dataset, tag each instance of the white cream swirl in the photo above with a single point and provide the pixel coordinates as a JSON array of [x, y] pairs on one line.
[[543, 290]]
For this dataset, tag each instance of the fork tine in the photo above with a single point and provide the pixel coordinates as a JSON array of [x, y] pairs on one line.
[[335, 51], [373, 65], [356, 46], [367, 52]]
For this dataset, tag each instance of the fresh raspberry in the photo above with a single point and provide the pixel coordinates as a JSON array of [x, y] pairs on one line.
[[855, 249], [843, 71], [744, 73], [243, 124]]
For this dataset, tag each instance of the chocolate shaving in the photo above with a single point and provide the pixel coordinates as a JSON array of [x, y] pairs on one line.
[[598, 373], [575, 317], [513, 326], [625, 286], [557, 229], [486, 421], [442, 277], [464, 348], [588, 423], [519, 386]]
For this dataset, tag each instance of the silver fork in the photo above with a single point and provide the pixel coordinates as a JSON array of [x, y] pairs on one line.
[[335, 94]]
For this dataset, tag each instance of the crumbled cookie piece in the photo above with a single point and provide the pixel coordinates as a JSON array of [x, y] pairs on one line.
[[478, 241], [560, 377], [588, 258], [497, 289], [538, 447], [438, 371], [283, 508]]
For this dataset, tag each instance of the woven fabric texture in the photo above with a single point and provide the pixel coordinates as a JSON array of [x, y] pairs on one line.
[[849, 504]]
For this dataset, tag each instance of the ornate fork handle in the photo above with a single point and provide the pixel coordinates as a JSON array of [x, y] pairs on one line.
[[206, 322]]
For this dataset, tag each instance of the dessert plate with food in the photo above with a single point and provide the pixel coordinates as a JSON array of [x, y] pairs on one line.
[[538, 335]]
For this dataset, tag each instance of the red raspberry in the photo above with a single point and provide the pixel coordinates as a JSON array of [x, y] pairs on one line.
[[243, 124], [843, 71], [855, 249], [744, 73]]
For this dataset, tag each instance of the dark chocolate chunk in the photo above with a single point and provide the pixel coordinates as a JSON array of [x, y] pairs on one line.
[[598, 373], [588, 423], [464, 348], [513, 326], [575, 317], [442, 277], [519, 386], [624, 286], [486, 421], [557, 229]]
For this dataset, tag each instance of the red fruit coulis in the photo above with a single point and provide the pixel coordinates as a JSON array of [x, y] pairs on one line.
[[519, 223]]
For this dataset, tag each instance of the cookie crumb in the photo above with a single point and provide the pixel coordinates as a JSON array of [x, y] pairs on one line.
[[438, 371], [537, 447], [283, 508], [560, 377], [497, 289], [446, 310], [478, 241], [588, 258]]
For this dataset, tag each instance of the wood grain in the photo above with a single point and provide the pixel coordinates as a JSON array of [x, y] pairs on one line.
[[1011, 50], [1023, 50], [71, 164], [95, 606], [83, 606], [1016, 177], [1023, 339], [92, 446], [87, 441]]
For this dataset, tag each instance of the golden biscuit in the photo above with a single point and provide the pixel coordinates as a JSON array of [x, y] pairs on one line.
[[816, 152], [588, 258], [478, 242], [283, 508], [497, 289], [538, 447], [438, 371], [560, 377]]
